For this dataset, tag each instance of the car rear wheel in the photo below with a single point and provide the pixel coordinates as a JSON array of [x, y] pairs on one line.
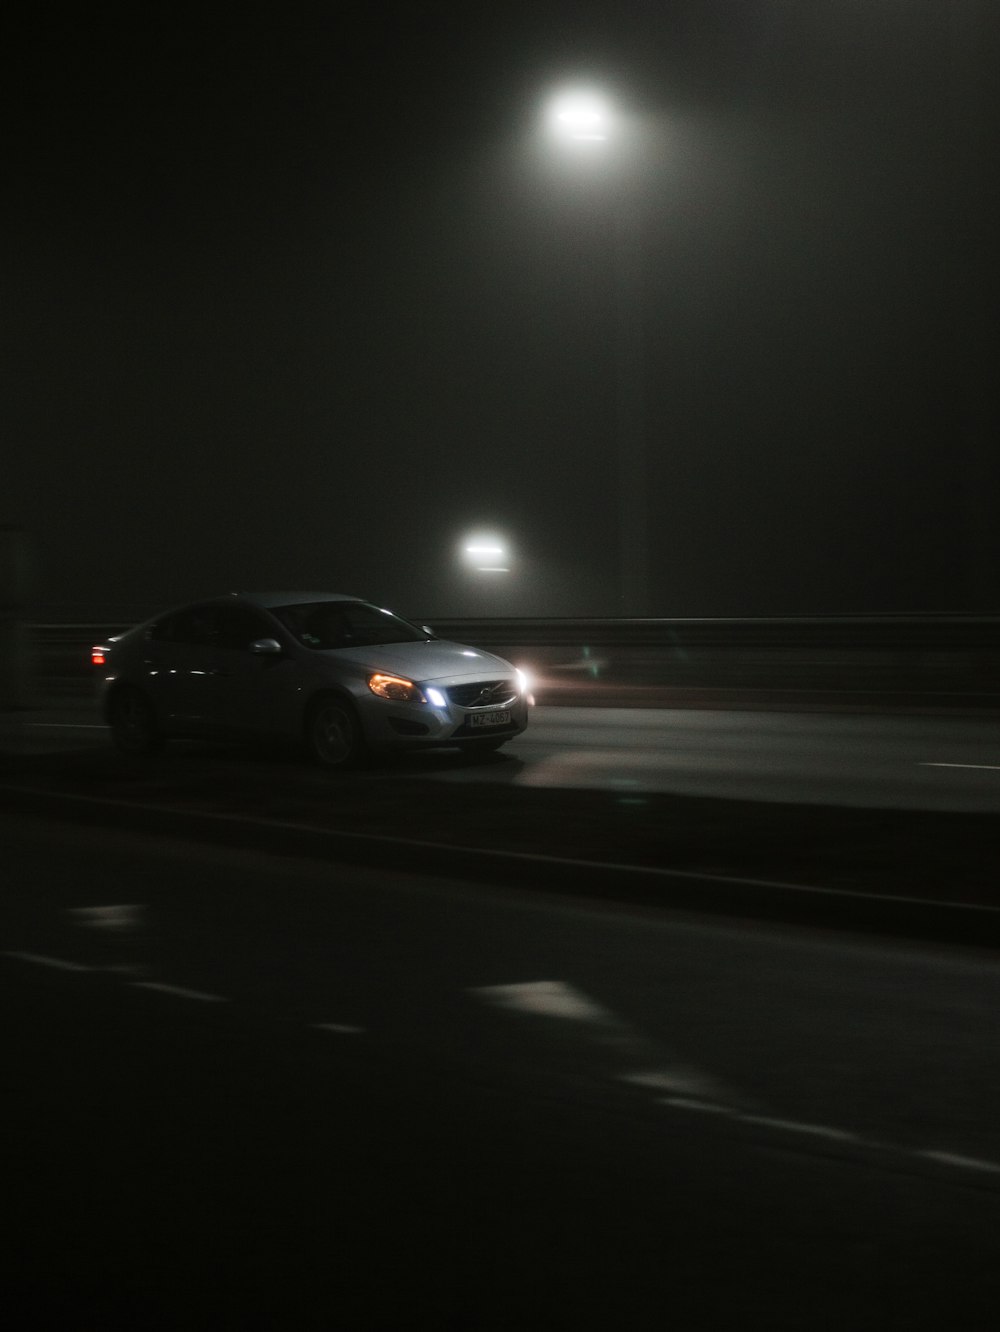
[[133, 723], [333, 734]]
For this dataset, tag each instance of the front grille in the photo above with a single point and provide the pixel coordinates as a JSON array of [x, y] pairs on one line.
[[484, 694]]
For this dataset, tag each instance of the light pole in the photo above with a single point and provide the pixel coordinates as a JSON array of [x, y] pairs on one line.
[[584, 122]]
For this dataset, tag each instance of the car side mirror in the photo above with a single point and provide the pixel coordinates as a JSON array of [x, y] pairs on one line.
[[266, 647]]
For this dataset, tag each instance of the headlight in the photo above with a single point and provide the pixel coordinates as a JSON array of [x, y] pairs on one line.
[[396, 688], [523, 680]]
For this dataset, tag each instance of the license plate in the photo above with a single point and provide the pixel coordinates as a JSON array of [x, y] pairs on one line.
[[489, 719]]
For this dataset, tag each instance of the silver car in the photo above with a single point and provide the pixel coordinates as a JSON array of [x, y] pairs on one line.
[[336, 673]]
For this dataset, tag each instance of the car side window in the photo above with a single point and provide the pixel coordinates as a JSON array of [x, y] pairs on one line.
[[194, 625], [338, 624], [239, 626], [327, 626]]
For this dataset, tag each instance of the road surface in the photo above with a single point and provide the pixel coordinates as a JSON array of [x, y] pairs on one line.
[[250, 1092], [864, 760]]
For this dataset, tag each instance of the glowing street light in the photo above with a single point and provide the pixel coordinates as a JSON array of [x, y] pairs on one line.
[[581, 116], [486, 553]]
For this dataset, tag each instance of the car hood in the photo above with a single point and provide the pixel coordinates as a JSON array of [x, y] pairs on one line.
[[434, 660]]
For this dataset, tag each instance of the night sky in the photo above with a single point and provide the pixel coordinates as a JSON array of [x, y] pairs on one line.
[[295, 297]]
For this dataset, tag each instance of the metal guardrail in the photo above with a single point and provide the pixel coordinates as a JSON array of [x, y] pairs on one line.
[[947, 632], [952, 658], [954, 655]]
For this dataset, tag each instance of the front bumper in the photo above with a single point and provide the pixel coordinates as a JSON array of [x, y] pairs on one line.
[[389, 724]]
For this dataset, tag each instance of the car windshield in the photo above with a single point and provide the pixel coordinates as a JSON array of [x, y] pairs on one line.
[[339, 624]]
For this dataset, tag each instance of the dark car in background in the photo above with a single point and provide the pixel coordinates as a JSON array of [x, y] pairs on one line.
[[335, 673]]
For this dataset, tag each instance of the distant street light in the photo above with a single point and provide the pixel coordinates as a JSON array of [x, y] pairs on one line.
[[486, 553], [580, 116], [583, 119]]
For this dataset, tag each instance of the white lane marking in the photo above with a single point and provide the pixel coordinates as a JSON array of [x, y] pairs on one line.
[[564, 1006], [180, 991], [966, 1162], [979, 767], [681, 1078], [688, 1103], [834, 1134], [545, 999], [60, 964], [114, 918], [796, 1126], [556, 999]]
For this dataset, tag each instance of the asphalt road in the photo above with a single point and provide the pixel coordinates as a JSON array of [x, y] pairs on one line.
[[900, 761], [867, 760], [249, 1092]]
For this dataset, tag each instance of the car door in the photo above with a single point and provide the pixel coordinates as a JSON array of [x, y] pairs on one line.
[[256, 690], [180, 665]]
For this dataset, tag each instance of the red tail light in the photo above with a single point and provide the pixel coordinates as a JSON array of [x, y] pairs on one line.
[[98, 656]]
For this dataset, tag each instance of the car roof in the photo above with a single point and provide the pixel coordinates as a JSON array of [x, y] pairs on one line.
[[269, 599]]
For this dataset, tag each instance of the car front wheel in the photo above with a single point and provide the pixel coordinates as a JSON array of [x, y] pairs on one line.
[[333, 735]]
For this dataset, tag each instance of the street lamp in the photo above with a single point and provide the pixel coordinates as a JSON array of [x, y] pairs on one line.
[[584, 119], [486, 553], [580, 115]]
